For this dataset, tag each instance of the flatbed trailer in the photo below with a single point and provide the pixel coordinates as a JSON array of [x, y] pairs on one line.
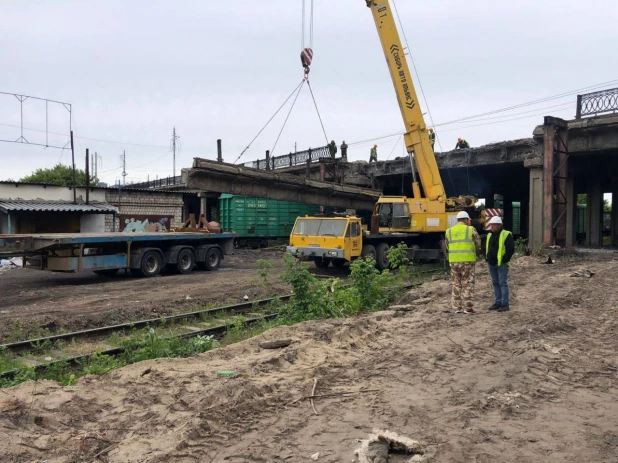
[[145, 254]]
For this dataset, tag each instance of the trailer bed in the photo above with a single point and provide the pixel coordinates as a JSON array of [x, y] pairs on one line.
[[34, 243], [105, 253]]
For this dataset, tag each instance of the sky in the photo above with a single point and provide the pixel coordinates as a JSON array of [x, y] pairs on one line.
[[131, 71]]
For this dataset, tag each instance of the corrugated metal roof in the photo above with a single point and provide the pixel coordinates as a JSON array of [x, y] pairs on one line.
[[41, 205]]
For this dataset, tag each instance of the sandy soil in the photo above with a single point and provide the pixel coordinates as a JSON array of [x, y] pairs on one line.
[[32, 299], [537, 384]]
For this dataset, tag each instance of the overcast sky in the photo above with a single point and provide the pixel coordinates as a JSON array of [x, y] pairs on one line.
[[134, 69]]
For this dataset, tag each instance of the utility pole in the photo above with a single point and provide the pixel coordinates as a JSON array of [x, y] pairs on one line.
[[123, 158], [94, 164], [174, 145], [73, 165], [87, 177]]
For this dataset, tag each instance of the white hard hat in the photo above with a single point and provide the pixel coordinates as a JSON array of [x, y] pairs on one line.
[[462, 215], [495, 220]]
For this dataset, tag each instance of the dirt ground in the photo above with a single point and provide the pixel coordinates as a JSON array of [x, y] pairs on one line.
[[536, 384], [32, 299]]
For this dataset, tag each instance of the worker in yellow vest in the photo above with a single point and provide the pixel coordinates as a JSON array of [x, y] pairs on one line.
[[373, 154], [463, 243], [499, 250]]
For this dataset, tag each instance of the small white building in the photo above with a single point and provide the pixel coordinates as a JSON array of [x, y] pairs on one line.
[[38, 208]]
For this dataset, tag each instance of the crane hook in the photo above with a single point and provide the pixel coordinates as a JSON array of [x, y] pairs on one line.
[[306, 56]]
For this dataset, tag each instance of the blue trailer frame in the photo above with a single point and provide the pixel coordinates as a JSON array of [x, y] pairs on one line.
[[106, 253]]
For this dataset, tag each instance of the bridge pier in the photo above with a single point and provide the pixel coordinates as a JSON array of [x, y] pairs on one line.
[[614, 222], [594, 214], [571, 211], [535, 213]]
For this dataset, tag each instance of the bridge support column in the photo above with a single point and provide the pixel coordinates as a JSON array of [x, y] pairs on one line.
[[535, 209], [571, 211], [555, 157], [203, 203], [594, 216], [614, 224]]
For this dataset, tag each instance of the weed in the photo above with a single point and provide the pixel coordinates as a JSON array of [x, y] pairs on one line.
[[264, 270], [311, 296], [142, 345], [249, 332], [521, 246], [23, 374], [398, 258], [99, 364], [40, 347], [8, 362]]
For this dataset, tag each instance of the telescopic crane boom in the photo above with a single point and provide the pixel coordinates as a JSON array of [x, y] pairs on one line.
[[416, 137]]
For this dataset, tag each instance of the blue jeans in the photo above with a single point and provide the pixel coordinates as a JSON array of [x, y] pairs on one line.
[[499, 275]]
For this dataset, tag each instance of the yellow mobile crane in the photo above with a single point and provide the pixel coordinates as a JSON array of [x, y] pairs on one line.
[[419, 221]]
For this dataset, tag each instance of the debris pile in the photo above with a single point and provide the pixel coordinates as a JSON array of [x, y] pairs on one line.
[[381, 444]]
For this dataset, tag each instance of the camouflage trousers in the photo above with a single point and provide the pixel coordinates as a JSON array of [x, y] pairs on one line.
[[462, 278]]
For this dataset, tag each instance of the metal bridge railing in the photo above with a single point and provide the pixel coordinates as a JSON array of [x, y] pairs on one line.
[[158, 183], [290, 160], [592, 104]]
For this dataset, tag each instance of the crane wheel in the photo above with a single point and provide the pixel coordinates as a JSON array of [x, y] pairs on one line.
[[321, 262], [382, 262], [368, 251]]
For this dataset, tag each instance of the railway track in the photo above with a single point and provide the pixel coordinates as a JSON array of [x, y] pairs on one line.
[[199, 328]]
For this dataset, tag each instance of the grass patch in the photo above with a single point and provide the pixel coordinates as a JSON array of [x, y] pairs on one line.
[[143, 345]]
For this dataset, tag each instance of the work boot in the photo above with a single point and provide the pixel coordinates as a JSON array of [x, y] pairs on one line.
[[503, 308], [496, 306]]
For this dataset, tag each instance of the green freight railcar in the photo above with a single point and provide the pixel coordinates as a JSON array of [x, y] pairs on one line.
[[255, 221]]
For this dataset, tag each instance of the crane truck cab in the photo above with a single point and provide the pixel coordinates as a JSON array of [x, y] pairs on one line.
[[326, 239]]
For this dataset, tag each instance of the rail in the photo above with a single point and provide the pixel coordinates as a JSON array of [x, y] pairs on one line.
[[157, 183], [290, 160], [595, 103], [243, 307], [218, 331]]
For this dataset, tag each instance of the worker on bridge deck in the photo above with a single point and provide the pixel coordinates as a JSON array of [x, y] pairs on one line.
[[373, 155], [462, 144], [432, 138], [463, 243], [344, 151], [332, 148]]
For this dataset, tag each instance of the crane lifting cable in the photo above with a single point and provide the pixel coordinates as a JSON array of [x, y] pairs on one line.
[[306, 57], [297, 89], [306, 53]]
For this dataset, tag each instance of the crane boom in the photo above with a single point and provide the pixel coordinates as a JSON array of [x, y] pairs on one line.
[[416, 137]]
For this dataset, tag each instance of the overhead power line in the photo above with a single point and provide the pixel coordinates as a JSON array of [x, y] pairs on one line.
[[533, 102], [89, 138], [474, 118]]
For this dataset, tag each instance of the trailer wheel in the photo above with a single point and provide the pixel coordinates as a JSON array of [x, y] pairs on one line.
[[321, 262], [212, 260], [368, 251], [151, 265], [185, 261], [107, 272], [382, 262], [339, 263]]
